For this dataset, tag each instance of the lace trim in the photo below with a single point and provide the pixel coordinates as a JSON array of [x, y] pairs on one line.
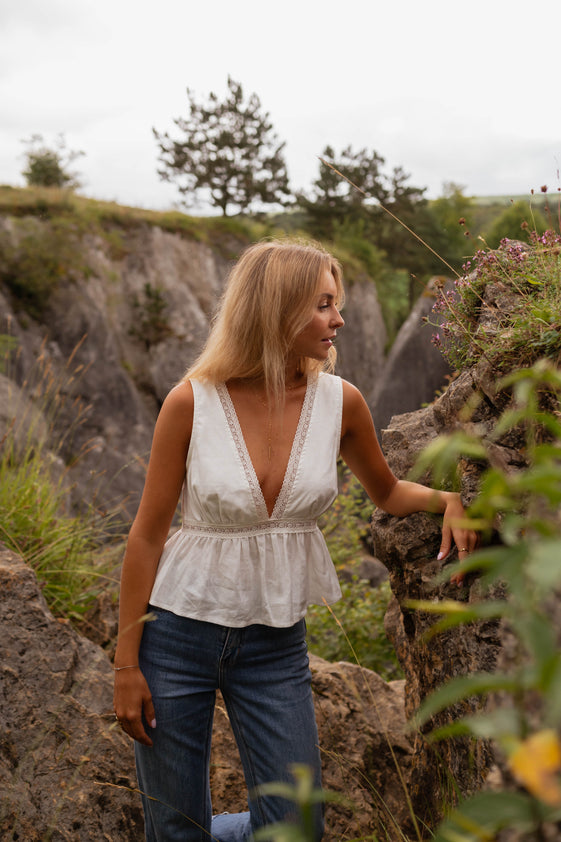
[[263, 527], [293, 460], [297, 448], [236, 430]]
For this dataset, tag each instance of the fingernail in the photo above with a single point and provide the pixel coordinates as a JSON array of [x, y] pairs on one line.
[[153, 724], [440, 556]]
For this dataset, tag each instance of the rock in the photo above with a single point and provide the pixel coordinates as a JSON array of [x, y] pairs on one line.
[[369, 570], [66, 772], [408, 547], [361, 342], [415, 370], [363, 739], [65, 768]]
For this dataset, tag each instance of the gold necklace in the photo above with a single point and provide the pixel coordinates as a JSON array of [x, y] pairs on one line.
[[267, 404]]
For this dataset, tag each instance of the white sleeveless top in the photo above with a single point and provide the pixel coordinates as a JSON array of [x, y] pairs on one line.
[[230, 563]]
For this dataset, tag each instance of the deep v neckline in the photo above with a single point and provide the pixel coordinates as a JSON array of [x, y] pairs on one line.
[[293, 460]]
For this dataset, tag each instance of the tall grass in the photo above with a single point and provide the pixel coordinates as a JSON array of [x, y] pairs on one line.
[[65, 546]]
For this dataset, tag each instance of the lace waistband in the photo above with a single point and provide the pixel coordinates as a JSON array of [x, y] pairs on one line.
[[246, 530]]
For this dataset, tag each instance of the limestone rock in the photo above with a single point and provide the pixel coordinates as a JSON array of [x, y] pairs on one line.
[[65, 770], [361, 342], [409, 548], [415, 370], [363, 741]]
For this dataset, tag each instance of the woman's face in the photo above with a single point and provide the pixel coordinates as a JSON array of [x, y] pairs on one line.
[[317, 337]]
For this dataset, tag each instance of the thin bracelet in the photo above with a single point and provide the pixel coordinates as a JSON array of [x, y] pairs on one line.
[[130, 667]]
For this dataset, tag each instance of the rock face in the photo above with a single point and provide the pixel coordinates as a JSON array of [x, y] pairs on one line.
[[66, 770], [131, 324], [409, 548], [365, 753], [415, 370]]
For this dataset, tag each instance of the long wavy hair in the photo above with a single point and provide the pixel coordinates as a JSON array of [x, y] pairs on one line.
[[268, 300]]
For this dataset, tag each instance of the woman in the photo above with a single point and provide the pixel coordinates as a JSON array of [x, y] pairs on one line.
[[249, 439]]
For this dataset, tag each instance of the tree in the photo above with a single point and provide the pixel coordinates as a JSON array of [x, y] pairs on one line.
[[229, 150], [334, 201], [516, 222], [48, 166], [453, 212]]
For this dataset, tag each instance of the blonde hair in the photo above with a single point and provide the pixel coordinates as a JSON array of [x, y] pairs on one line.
[[267, 302]]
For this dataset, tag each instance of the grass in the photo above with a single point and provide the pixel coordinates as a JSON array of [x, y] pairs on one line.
[[68, 549], [95, 216], [506, 307]]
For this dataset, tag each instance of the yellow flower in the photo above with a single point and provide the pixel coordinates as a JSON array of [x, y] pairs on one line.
[[535, 762]]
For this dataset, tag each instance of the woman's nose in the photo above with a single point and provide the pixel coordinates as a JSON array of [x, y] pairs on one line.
[[338, 320]]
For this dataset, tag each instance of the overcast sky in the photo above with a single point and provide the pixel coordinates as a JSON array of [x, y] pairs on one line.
[[450, 91]]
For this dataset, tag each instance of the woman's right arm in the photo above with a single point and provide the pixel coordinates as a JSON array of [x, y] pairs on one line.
[[164, 479]]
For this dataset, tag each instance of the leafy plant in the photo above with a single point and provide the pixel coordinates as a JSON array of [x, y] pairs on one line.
[[522, 716], [305, 798], [505, 307]]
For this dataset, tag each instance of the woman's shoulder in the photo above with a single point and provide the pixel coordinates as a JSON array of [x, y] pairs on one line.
[[180, 398]]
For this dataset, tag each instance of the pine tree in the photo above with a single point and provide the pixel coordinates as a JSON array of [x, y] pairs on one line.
[[228, 150]]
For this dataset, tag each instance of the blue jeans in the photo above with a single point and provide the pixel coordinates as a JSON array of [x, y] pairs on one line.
[[264, 677]]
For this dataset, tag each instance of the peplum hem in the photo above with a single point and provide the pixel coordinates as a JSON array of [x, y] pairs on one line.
[[261, 576]]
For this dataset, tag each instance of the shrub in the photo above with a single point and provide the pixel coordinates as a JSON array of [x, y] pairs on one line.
[[150, 325], [48, 166], [35, 257], [505, 307]]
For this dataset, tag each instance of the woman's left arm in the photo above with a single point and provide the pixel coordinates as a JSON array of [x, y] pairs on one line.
[[361, 451]]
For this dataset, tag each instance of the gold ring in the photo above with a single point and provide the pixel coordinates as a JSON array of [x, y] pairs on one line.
[[463, 550]]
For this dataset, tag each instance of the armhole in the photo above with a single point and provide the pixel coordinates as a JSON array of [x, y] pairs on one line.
[[194, 387], [339, 412]]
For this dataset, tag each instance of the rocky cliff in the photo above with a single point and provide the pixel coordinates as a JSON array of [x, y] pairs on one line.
[[131, 320], [67, 773], [132, 316]]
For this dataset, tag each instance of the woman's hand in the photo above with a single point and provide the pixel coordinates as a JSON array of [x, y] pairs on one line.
[[131, 699], [454, 530]]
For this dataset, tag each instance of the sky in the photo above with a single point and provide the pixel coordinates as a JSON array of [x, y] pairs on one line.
[[452, 92]]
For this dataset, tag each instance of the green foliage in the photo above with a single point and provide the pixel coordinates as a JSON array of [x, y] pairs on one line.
[[35, 256], [506, 306], [229, 150], [304, 797], [454, 214], [387, 221], [513, 224], [360, 258], [353, 630], [7, 344], [334, 201], [150, 325], [524, 720], [48, 166], [36, 522]]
